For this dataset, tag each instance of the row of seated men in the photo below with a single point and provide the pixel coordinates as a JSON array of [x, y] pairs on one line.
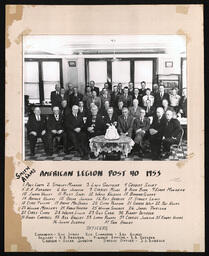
[[150, 100], [75, 128]]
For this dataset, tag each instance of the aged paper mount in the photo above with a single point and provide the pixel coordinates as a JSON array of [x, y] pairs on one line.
[[182, 227]]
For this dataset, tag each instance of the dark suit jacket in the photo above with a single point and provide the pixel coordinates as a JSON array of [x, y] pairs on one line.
[[99, 125], [71, 122], [125, 126], [142, 92], [139, 98], [158, 99], [114, 99], [56, 99], [127, 102], [159, 126], [95, 89], [138, 124], [172, 129], [183, 106], [151, 111], [117, 111], [133, 113], [53, 124], [108, 121], [36, 126], [74, 100]]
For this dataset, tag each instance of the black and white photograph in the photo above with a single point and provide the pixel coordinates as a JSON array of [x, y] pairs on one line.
[[104, 97]]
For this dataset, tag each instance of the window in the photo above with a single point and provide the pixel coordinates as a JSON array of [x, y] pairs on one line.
[[40, 77], [121, 72], [31, 81], [143, 72], [98, 72], [51, 76]]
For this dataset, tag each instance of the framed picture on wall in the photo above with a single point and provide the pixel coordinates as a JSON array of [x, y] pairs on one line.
[[168, 64]]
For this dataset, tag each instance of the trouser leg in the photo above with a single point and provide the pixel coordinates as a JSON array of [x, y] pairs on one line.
[[46, 142], [32, 141]]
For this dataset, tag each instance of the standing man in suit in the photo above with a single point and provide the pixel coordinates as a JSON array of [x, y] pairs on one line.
[[142, 91], [126, 98], [183, 104], [156, 132], [36, 128], [105, 96], [68, 91], [114, 96], [130, 88], [94, 99], [137, 96], [148, 97], [171, 134], [140, 127], [135, 110], [55, 128], [75, 131], [75, 97], [93, 87], [95, 125], [120, 89], [125, 123], [160, 96], [56, 97]]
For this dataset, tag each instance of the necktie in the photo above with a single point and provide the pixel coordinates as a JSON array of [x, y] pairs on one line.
[[38, 118]]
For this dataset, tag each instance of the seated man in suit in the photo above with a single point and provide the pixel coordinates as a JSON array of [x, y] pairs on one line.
[[110, 118], [140, 127], [166, 106], [104, 108], [93, 87], [156, 133], [81, 109], [56, 97], [171, 134], [119, 108], [125, 123], [55, 128], [75, 130], [36, 128], [135, 110], [150, 110], [126, 98], [95, 125], [160, 96]]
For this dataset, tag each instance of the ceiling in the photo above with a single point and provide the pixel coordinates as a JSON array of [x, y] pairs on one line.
[[104, 44]]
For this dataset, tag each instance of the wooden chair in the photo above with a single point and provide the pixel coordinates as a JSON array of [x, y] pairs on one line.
[[177, 146]]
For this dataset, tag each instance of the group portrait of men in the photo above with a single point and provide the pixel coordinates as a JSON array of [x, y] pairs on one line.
[[149, 117]]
